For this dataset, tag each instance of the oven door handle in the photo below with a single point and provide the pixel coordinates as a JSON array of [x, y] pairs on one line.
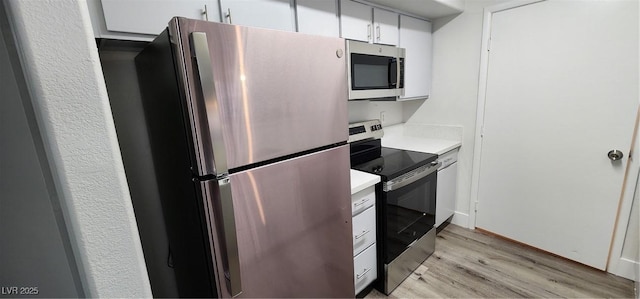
[[410, 177]]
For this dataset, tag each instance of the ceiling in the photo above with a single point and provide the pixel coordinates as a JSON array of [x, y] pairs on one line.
[[430, 9]]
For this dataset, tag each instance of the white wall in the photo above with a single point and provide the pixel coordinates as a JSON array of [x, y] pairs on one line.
[[366, 110], [454, 95], [61, 64]]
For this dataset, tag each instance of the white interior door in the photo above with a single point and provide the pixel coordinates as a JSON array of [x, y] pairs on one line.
[[562, 90]]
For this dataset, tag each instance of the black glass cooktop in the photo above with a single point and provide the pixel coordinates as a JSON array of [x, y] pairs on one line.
[[394, 162]]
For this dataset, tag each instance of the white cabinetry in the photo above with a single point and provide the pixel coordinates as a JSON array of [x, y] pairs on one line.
[[385, 26], [446, 186], [143, 19], [415, 37], [364, 238], [364, 23], [355, 19], [363, 200], [364, 268], [318, 17], [272, 14], [364, 230]]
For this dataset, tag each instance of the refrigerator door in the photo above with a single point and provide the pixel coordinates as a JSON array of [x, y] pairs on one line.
[[293, 227], [258, 94]]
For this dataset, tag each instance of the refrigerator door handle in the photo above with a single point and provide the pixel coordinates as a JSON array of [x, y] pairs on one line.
[[231, 238], [200, 47], [220, 203]]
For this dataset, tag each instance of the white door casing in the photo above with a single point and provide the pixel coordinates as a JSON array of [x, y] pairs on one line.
[[624, 256], [558, 90]]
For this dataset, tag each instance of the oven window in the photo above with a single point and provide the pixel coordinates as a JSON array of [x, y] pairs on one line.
[[410, 213], [370, 72]]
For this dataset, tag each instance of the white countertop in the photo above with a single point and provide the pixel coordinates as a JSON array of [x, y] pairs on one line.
[[362, 180], [395, 137]]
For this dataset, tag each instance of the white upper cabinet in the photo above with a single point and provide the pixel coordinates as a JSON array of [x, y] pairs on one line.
[[151, 17], [318, 17], [356, 21], [385, 27], [365, 23], [272, 14], [415, 37]]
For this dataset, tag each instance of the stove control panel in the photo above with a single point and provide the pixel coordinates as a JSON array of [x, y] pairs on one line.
[[365, 130]]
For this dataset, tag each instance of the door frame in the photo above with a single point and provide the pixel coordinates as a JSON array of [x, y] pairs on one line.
[[616, 264]]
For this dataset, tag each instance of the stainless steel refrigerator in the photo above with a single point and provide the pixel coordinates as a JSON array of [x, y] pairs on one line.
[[248, 131]]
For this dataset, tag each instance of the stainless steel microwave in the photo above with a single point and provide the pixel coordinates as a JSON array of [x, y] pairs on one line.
[[375, 71]]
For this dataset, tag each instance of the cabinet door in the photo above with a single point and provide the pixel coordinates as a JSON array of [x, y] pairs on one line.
[[355, 19], [151, 17], [272, 14], [385, 25], [318, 17], [415, 37]]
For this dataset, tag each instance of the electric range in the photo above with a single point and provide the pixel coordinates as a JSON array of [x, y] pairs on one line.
[[405, 202]]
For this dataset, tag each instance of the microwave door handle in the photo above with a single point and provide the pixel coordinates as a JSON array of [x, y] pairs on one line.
[[400, 84], [392, 73], [399, 67]]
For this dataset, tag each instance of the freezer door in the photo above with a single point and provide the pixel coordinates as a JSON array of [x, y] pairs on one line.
[[293, 224], [259, 94]]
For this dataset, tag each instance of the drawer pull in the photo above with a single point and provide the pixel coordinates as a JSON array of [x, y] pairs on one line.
[[363, 273], [364, 232], [361, 202]]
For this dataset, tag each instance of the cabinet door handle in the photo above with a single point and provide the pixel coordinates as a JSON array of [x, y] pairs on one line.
[[364, 232], [361, 202], [228, 16], [378, 32], [368, 32], [366, 270], [205, 12]]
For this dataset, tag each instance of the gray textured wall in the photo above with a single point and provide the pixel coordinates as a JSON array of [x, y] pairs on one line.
[[61, 64], [35, 250]]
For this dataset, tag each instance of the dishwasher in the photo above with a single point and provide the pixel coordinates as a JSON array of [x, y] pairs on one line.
[[446, 187]]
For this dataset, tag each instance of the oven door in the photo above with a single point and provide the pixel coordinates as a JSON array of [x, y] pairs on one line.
[[409, 212]]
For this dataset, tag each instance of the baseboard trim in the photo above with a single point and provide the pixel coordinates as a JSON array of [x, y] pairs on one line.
[[461, 219], [626, 268]]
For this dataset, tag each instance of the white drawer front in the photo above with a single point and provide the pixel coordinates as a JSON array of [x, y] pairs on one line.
[[365, 270], [363, 199], [364, 230]]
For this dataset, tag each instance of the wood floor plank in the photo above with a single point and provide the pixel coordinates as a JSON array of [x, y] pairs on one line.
[[468, 263]]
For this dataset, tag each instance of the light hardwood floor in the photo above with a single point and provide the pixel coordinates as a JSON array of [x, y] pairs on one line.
[[469, 263]]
